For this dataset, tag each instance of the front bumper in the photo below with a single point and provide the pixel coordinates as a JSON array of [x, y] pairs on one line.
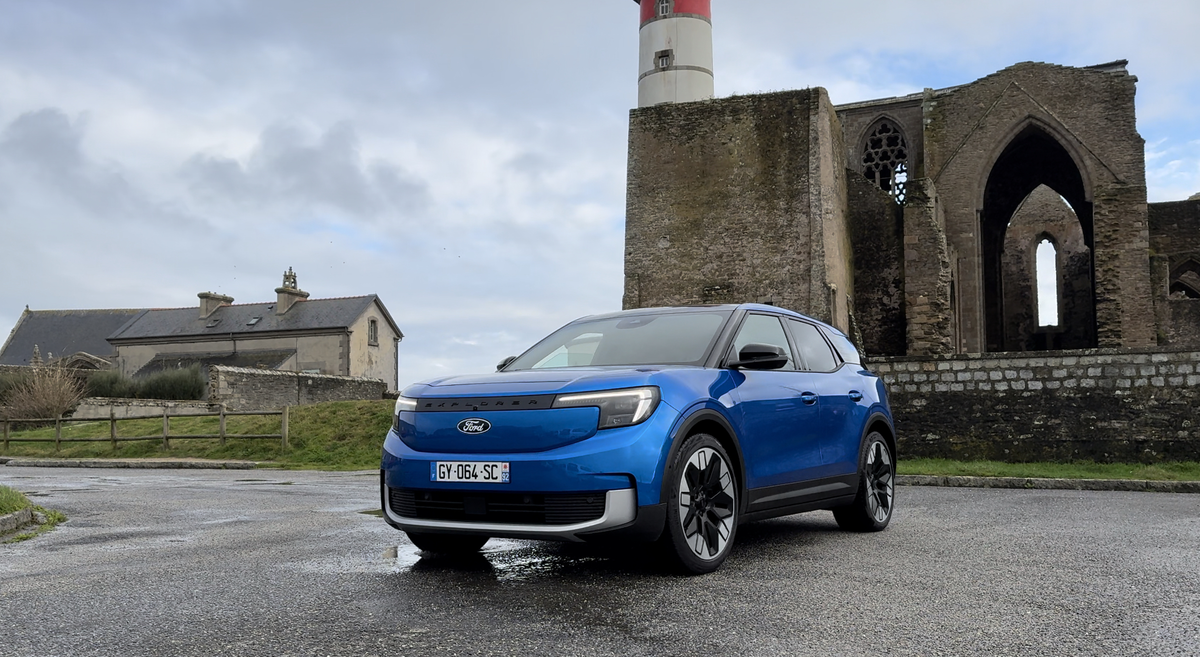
[[620, 509]]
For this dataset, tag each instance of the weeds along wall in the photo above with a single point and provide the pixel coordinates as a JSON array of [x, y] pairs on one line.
[[1104, 405], [244, 389]]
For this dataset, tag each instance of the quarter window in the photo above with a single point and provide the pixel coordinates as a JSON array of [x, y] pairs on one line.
[[763, 329], [813, 348]]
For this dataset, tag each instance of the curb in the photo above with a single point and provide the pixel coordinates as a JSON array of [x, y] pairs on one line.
[[1134, 485], [131, 463], [15, 520]]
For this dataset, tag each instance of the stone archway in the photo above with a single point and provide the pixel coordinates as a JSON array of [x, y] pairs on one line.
[[1032, 159]]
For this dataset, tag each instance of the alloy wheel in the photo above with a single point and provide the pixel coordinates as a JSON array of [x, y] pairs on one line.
[[707, 503], [881, 482]]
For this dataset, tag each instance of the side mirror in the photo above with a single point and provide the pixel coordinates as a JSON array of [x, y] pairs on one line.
[[756, 356], [505, 363]]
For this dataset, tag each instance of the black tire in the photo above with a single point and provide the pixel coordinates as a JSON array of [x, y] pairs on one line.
[[871, 510], [446, 543], [702, 507]]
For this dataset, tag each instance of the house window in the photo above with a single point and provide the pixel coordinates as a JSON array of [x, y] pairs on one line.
[[372, 332], [664, 57], [1046, 270], [664, 8]]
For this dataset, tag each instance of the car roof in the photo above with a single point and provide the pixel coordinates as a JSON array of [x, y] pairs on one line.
[[729, 307]]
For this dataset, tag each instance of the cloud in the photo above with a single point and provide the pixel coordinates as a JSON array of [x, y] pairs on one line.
[[292, 172]]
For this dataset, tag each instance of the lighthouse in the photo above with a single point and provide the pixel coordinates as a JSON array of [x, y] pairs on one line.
[[675, 61]]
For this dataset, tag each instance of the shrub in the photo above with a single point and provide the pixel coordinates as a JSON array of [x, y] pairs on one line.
[[10, 380], [47, 392], [186, 383], [111, 383]]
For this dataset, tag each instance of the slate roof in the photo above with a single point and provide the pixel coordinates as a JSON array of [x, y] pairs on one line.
[[63, 332], [239, 319]]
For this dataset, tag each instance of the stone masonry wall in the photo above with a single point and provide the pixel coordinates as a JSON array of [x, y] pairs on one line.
[[1106, 405], [738, 199], [103, 407], [243, 389], [877, 234], [1089, 113]]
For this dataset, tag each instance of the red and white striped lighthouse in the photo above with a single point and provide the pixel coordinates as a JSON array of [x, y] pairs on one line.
[[676, 61]]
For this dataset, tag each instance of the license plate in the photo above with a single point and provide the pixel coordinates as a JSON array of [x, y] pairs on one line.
[[479, 472]]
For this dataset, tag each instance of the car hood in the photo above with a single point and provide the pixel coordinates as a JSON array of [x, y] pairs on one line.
[[525, 382]]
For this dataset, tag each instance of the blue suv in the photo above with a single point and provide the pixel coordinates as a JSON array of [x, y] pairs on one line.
[[664, 424]]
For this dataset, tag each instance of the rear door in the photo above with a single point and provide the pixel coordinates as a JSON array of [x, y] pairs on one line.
[[842, 400]]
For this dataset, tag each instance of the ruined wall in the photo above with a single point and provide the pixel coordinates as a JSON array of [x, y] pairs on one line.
[[739, 199], [105, 407], [1105, 405], [1088, 115], [876, 224], [1045, 214], [1175, 271], [243, 389], [857, 120], [929, 320]]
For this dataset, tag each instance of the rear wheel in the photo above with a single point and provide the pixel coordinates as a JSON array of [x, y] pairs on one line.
[[446, 543], [702, 507], [871, 509]]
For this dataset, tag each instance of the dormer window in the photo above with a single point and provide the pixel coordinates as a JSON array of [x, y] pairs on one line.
[[664, 8], [372, 332]]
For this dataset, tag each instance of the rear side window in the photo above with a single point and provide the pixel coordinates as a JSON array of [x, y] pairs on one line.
[[844, 347], [813, 348]]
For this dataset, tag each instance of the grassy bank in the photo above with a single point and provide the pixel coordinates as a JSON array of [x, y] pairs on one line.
[[11, 500], [329, 436], [1189, 471]]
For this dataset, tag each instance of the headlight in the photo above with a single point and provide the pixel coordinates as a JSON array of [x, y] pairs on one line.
[[618, 408], [402, 404]]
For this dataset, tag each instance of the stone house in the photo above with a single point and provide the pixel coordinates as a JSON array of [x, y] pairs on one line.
[[347, 336]]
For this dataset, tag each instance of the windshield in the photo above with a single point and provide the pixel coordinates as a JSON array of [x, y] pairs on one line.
[[683, 338]]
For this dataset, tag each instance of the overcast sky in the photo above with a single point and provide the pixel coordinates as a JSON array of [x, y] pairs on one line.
[[464, 160]]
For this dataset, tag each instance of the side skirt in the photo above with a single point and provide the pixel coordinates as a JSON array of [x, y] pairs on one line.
[[786, 499]]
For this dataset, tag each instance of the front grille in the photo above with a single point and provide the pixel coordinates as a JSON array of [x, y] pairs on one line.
[[513, 508]]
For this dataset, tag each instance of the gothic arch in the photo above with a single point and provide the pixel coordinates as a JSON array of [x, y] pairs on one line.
[[1051, 129], [1185, 279], [883, 155]]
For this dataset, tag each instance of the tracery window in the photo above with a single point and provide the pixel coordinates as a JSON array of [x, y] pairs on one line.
[[885, 159]]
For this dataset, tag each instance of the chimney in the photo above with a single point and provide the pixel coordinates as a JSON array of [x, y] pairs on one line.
[[210, 301], [289, 294]]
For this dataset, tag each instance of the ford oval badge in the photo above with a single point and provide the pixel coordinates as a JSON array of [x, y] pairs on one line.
[[474, 425]]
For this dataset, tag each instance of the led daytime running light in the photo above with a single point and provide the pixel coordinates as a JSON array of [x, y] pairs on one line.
[[618, 408]]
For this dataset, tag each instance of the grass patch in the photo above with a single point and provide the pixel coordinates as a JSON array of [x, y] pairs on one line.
[[12, 500], [1185, 471], [329, 436]]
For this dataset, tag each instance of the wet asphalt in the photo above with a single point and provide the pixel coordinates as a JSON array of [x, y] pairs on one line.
[[291, 563]]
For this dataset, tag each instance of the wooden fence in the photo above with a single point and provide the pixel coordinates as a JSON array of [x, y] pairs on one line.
[[166, 436]]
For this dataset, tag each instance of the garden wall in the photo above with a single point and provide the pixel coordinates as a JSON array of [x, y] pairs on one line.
[[105, 407], [1107, 405], [244, 389]]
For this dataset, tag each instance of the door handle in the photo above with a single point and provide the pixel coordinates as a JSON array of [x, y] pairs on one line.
[[808, 398], [855, 396]]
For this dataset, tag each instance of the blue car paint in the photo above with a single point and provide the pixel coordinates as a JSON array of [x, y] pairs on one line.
[[783, 436]]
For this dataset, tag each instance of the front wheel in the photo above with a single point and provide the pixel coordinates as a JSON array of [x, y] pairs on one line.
[[871, 509], [703, 505], [446, 543]]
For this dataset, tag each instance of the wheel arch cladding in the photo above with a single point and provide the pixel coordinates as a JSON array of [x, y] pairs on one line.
[[879, 423], [714, 424]]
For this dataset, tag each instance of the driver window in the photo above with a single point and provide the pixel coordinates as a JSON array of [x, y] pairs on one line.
[[763, 329]]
